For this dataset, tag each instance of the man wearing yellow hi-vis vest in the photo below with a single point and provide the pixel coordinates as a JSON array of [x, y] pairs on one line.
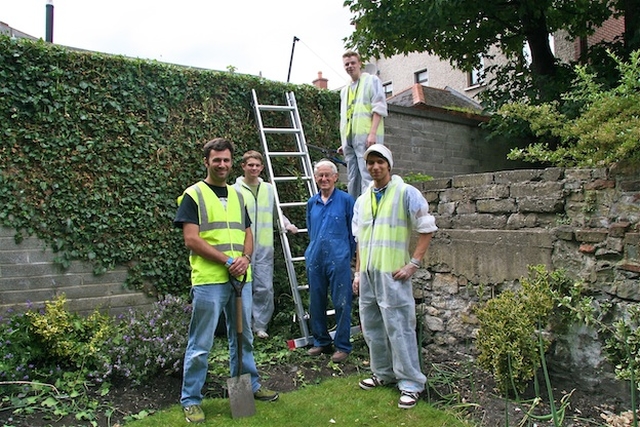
[[217, 231], [260, 200], [363, 106], [384, 217]]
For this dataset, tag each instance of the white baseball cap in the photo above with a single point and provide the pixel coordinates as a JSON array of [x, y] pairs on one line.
[[380, 150]]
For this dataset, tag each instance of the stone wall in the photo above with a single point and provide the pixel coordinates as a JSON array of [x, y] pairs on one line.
[[492, 226], [29, 276]]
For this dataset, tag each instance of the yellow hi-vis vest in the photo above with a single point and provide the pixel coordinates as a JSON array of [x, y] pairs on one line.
[[260, 208], [357, 113], [384, 230], [222, 228]]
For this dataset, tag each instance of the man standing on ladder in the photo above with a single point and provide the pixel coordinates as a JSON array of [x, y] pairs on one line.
[[260, 200], [363, 105]]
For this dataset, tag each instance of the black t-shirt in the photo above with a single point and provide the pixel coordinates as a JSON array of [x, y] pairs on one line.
[[188, 209]]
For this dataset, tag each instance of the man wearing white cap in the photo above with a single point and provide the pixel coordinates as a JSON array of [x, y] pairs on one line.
[[384, 217]]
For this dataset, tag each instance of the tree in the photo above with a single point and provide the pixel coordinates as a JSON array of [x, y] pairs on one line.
[[461, 30]]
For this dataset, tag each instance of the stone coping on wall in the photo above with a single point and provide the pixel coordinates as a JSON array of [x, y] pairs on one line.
[[492, 225]]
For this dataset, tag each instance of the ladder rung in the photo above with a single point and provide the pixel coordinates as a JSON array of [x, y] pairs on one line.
[[298, 258], [291, 178], [281, 130], [292, 204], [287, 154], [275, 108], [303, 288], [305, 341]]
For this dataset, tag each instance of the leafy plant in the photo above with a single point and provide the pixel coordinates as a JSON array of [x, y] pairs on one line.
[[417, 177], [511, 327], [69, 339], [621, 337], [604, 131], [149, 342]]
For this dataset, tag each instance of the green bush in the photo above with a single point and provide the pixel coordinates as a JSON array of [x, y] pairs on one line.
[[511, 325], [604, 130], [69, 339], [149, 342]]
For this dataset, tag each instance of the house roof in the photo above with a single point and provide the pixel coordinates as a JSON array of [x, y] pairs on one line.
[[12, 32], [445, 100]]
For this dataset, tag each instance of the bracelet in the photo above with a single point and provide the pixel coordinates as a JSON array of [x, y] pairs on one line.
[[356, 275], [229, 262], [247, 257], [415, 262]]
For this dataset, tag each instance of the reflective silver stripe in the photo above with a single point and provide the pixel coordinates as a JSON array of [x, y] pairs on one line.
[[206, 225], [203, 209]]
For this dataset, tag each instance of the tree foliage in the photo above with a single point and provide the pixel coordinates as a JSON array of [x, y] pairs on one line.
[[605, 130], [460, 30]]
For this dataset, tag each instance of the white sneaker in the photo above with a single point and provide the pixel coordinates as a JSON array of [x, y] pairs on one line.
[[262, 334], [408, 399]]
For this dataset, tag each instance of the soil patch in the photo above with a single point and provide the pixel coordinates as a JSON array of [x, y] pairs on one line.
[[456, 382]]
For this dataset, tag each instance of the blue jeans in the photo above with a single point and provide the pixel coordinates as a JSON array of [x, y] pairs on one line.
[[326, 276], [209, 301]]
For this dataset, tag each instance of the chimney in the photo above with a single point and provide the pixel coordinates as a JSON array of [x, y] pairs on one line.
[[320, 82]]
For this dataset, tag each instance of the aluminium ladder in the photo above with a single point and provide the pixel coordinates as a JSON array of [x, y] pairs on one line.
[[297, 153]]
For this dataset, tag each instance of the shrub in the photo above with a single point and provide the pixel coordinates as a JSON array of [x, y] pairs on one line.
[[511, 325], [69, 339], [18, 350], [604, 131], [149, 342]]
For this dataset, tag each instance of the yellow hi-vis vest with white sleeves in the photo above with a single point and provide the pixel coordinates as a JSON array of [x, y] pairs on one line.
[[357, 111], [384, 233], [222, 228], [260, 210]]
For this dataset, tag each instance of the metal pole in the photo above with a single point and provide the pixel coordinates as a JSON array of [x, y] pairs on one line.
[[295, 39], [49, 24]]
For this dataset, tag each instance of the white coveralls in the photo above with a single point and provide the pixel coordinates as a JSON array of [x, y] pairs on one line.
[[358, 101], [387, 307], [261, 209]]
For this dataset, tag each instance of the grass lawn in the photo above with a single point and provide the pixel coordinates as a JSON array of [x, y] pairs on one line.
[[333, 402]]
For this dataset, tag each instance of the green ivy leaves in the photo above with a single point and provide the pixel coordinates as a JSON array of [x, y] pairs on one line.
[[94, 150]]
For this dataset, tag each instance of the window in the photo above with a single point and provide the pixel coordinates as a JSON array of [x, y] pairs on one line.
[[422, 77], [475, 77], [388, 89]]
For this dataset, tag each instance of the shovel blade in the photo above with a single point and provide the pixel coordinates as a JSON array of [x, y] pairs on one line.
[[241, 396]]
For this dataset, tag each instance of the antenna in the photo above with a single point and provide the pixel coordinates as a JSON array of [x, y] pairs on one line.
[[295, 39]]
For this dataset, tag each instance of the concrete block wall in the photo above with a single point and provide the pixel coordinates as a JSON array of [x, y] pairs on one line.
[[442, 145], [29, 277], [492, 226]]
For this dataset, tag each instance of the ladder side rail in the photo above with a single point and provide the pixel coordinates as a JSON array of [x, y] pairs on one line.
[[302, 144], [293, 281]]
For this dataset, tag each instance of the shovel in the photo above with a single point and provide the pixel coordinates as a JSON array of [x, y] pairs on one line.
[[240, 390]]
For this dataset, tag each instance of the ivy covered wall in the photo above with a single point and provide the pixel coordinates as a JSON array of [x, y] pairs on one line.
[[94, 150]]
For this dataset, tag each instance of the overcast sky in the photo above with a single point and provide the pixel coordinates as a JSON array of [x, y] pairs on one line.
[[254, 36]]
